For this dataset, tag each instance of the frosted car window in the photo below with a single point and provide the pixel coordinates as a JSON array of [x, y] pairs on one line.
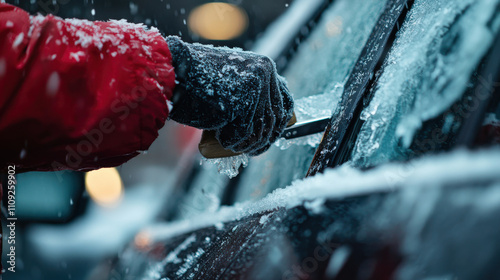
[[316, 77], [429, 68], [205, 193]]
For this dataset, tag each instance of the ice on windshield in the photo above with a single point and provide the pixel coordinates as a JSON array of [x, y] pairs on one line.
[[429, 67], [316, 76], [319, 70]]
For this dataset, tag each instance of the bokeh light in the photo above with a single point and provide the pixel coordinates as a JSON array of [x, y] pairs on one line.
[[218, 21], [104, 186]]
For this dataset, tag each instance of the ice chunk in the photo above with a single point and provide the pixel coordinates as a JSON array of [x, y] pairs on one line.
[[230, 165], [264, 219]]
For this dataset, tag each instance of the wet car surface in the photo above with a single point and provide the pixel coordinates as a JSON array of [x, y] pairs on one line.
[[418, 215]]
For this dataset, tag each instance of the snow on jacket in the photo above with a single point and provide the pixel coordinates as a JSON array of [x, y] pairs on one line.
[[79, 95]]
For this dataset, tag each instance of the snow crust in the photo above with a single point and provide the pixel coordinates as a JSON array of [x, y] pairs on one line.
[[428, 69], [427, 172]]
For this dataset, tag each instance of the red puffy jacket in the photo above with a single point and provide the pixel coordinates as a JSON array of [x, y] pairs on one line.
[[77, 94]]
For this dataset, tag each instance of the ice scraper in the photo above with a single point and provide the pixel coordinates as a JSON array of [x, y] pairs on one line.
[[211, 148]]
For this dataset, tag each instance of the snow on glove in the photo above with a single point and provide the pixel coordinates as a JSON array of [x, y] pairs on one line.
[[236, 93]]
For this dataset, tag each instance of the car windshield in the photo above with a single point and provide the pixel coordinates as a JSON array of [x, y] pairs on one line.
[[316, 75], [431, 64]]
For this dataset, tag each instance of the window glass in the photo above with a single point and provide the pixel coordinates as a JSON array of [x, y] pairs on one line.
[[205, 193], [428, 69], [316, 76]]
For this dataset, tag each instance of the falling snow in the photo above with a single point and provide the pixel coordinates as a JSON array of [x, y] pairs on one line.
[[53, 83]]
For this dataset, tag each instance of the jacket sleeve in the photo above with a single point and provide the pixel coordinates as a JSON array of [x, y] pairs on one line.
[[79, 95]]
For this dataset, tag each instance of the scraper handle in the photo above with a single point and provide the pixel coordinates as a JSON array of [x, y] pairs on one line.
[[211, 148]]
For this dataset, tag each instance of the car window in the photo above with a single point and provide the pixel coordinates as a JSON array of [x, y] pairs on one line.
[[430, 66], [316, 76], [205, 193]]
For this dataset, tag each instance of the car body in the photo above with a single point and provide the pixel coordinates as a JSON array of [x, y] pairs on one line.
[[409, 188]]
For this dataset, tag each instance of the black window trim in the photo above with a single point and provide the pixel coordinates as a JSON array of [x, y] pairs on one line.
[[341, 134], [344, 126]]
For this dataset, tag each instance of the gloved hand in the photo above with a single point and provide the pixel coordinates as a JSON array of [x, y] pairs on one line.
[[238, 94]]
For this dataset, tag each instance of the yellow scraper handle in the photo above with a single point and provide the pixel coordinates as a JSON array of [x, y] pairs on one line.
[[211, 148]]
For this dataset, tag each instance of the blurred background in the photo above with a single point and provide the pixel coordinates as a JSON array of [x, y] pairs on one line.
[[235, 23], [68, 222]]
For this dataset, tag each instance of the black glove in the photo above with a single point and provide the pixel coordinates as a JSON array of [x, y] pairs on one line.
[[238, 94]]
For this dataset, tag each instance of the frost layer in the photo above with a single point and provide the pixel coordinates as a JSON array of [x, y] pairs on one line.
[[436, 51], [316, 77]]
